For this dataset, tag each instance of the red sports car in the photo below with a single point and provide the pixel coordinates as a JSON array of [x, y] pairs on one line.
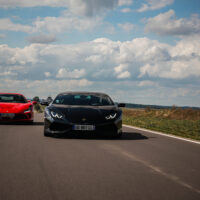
[[15, 107]]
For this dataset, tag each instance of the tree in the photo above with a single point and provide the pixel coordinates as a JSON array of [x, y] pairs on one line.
[[36, 98]]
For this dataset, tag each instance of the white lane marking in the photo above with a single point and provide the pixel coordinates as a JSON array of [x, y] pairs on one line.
[[119, 150], [163, 134]]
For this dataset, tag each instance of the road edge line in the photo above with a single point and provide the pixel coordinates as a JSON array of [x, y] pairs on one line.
[[163, 134]]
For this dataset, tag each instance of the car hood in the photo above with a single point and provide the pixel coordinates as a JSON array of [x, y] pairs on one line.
[[13, 107], [85, 114]]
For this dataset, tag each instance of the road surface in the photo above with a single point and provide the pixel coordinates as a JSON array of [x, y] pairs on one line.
[[139, 166]]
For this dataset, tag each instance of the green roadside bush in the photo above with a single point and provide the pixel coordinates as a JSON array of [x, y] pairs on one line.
[[39, 108]]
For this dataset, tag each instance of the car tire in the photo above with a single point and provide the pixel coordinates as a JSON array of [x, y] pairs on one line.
[[118, 135], [46, 134]]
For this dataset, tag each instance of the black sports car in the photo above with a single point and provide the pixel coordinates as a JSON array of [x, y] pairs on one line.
[[79, 112]]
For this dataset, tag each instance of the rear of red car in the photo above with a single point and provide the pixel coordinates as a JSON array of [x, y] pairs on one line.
[[15, 107]]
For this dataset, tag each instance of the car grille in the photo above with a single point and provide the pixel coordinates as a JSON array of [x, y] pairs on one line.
[[59, 127], [20, 116], [84, 116], [16, 117]]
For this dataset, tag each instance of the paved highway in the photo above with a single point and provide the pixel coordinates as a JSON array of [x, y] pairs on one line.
[[139, 166]]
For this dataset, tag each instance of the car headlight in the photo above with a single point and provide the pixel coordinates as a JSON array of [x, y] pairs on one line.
[[47, 115], [111, 116], [28, 110], [56, 115]]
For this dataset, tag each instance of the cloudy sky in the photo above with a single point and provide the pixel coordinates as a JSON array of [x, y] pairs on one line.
[[138, 51]]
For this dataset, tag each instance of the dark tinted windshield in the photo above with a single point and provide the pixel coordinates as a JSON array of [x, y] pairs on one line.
[[82, 99], [12, 98]]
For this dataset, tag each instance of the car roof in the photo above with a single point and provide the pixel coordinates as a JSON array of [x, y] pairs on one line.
[[84, 93]]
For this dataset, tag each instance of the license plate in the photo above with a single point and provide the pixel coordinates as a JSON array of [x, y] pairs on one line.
[[83, 127], [7, 115]]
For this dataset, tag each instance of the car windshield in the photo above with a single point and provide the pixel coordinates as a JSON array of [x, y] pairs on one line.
[[83, 99], [12, 98]]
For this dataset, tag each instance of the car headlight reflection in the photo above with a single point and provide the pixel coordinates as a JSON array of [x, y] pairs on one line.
[[111, 116], [56, 115]]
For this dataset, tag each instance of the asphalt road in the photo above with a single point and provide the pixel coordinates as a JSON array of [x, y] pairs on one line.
[[139, 166]]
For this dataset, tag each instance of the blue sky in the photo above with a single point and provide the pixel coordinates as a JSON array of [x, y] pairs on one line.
[[137, 51]]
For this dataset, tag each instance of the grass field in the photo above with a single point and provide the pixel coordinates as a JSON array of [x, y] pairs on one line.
[[176, 121]]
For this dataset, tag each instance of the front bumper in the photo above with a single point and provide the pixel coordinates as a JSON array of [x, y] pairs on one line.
[[59, 128], [16, 117]]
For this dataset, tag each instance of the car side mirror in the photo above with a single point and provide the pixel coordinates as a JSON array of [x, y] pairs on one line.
[[121, 105], [34, 102]]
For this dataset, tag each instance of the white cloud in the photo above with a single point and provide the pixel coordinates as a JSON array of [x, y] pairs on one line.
[[125, 2], [121, 71], [110, 29], [76, 73], [128, 27], [187, 47], [154, 5], [167, 24], [126, 10], [91, 7], [124, 75], [32, 3], [7, 73], [183, 62], [2, 36], [75, 17], [147, 84], [6, 55], [7, 24], [42, 39], [66, 22], [103, 60], [47, 74], [42, 88], [79, 7], [172, 69], [121, 68], [20, 56]]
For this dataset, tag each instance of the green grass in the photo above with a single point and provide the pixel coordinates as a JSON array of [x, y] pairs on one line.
[[163, 122]]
